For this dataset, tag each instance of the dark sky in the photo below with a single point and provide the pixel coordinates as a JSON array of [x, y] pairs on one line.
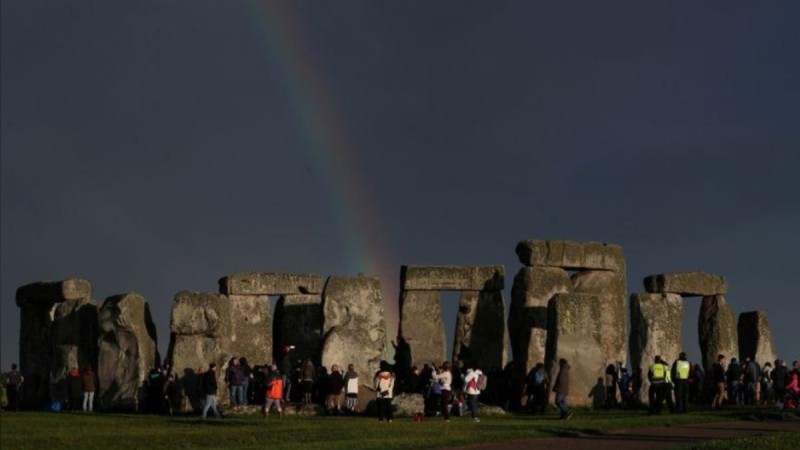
[[156, 146]]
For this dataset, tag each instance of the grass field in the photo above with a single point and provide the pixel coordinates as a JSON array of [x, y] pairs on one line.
[[104, 431]]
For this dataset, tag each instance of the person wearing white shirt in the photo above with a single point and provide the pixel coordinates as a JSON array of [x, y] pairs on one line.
[[445, 378], [471, 382]]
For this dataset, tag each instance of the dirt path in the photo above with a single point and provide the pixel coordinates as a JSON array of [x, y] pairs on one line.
[[650, 437]]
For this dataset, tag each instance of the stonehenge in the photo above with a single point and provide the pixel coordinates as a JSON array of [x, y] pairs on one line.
[[480, 323], [599, 270], [755, 337], [569, 300]]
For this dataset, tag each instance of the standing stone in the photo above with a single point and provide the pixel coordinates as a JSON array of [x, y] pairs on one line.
[[251, 328], [481, 334], [611, 288], [656, 321], [354, 327], [422, 326], [688, 284], [755, 338], [200, 327], [127, 350], [74, 335], [574, 332], [717, 331], [37, 303], [527, 321], [298, 322]]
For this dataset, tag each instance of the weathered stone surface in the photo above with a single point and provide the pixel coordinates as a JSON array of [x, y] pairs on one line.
[[36, 352], [128, 349], [452, 278], [574, 332], [354, 327], [422, 326], [687, 284], [38, 303], [611, 288], [656, 321], [298, 322], [251, 328], [252, 283], [74, 335], [571, 254], [755, 337], [47, 292], [481, 334], [408, 404], [716, 331], [200, 326], [527, 320], [200, 313]]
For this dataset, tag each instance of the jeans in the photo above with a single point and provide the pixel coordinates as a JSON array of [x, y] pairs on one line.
[[561, 404], [472, 402], [245, 391], [287, 387], [237, 395], [385, 409], [211, 403], [88, 401], [446, 396]]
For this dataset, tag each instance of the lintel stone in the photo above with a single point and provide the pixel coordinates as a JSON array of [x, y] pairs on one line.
[[571, 255], [452, 278], [253, 283], [688, 284]]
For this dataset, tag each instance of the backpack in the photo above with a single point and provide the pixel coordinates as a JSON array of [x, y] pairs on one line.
[[482, 382]]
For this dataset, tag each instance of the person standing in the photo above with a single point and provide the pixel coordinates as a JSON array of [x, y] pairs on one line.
[[733, 376], [384, 387], [561, 388], [234, 376], [611, 379], [309, 373], [680, 375], [286, 371], [14, 380], [351, 388], [171, 394], [89, 388], [473, 390], [719, 382], [766, 384], [445, 379], [75, 387], [335, 387], [659, 387], [210, 391], [274, 393]]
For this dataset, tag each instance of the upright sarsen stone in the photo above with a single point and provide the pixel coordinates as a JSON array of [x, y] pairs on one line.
[[422, 326], [354, 327], [298, 322], [717, 331], [656, 321], [74, 335], [611, 289], [755, 337], [527, 320], [481, 334], [127, 345], [251, 328], [37, 303], [200, 329], [574, 332]]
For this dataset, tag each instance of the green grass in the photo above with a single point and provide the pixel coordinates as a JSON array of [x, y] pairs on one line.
[[102, 431], [778, 441]]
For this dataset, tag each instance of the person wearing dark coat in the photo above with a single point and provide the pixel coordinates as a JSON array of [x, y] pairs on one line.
[[210, 391], [561, 388]]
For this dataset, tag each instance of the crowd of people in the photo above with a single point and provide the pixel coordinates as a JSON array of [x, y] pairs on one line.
[[447, 388]]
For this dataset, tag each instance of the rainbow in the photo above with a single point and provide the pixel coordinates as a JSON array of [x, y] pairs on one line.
[[330, 152]]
